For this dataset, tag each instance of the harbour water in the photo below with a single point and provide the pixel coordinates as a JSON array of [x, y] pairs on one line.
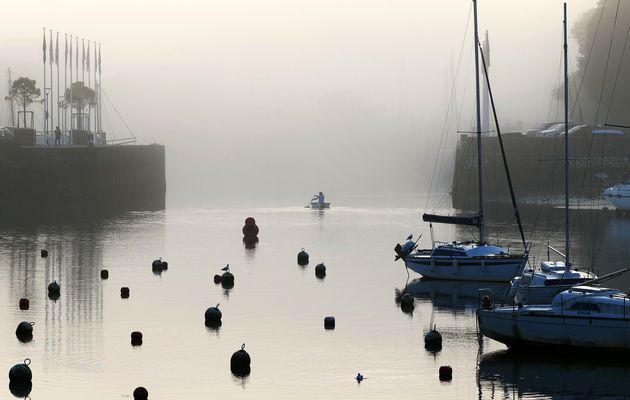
[[81, 346]]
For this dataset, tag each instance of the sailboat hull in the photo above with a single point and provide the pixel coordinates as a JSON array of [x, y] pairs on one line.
[[491, 269], [518, 329]]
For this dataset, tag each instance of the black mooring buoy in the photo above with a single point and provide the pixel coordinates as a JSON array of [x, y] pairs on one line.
[[433, 340], [213, 316], [227, 280], [24, 331], [44, 253], [329, 323], [320, 271], [21, 373], [124, 292], [54, 288], [240, 362], [140, 394], [21, 390], [104, 274], [302, 257]]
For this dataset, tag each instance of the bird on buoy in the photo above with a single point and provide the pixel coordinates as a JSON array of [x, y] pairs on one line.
[[410, 237], [227, 279], [226, 268]]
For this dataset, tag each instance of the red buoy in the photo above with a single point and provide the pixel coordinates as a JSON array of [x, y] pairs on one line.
[[136, 338], [24, 304], [446, 373]]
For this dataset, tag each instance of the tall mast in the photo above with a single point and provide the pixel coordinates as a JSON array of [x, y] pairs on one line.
[[566, 146], [10, 98], [478, 106]]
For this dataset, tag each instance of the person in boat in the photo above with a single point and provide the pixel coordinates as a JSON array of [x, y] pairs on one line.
[[319, 198]]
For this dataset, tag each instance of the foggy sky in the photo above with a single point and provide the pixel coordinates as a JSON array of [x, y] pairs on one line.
[[261, 100]]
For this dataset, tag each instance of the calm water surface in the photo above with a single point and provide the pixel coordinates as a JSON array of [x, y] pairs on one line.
[[81, 346]]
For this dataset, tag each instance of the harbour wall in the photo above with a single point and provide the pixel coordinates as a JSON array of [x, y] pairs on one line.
[[40, 181]]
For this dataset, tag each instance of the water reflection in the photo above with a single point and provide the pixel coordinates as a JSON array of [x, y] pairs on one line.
[[452, 296], [510, 374]]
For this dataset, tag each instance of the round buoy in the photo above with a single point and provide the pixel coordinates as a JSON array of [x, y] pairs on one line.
[[329, 323], [217, 279], [140, 394], [24, 304], [104, 274], [54, 288], [24, 330], [124, 292], [433, 340], [240, 362], [446, 373], [213, 315], [250, 242], [302, 257], [227, 279], [21, 373], [250, 229], [359, 377], [21, 390], [156, 265], [320, 270], [44, 253], [136, 338]]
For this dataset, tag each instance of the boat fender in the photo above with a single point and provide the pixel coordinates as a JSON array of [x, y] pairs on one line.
[[486, 302]]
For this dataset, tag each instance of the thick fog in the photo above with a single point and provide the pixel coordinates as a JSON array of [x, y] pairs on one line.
[[266, 101]]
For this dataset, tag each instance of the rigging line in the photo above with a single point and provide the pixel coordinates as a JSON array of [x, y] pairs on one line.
[[623, 52], [505, 163], [117, 113], [612, 37], [457, 175], [446, 116], [588, 57]]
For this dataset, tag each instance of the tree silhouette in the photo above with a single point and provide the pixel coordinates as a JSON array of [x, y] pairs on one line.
[[80, 96], [25, 92]]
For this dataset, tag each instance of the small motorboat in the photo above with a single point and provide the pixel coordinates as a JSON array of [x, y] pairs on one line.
[[618, 196]]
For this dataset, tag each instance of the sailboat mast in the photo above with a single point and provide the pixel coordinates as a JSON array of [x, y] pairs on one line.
[[566, 145], [478, 112]]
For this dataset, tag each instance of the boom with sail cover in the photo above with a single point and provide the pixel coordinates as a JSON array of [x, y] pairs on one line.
[[447, 219]]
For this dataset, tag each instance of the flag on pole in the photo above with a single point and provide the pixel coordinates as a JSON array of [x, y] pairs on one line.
[[51, 55], [44, 46], [87, 60], [57, 51]]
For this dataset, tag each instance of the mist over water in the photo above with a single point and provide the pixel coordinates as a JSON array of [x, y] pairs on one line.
[[264, 100]]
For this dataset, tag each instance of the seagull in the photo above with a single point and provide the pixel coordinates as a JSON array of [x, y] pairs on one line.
[[410, 237], [359, 377], [226, 268]]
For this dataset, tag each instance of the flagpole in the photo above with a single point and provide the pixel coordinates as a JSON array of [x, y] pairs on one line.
[[70, 102], [58, 91], [45, 126], [87, 65], [95, 90], [100, 88], [65, 84], [52, 84]]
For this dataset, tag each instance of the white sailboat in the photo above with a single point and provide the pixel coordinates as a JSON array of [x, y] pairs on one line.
[[472, 260], [540, 286], [582, 317]]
